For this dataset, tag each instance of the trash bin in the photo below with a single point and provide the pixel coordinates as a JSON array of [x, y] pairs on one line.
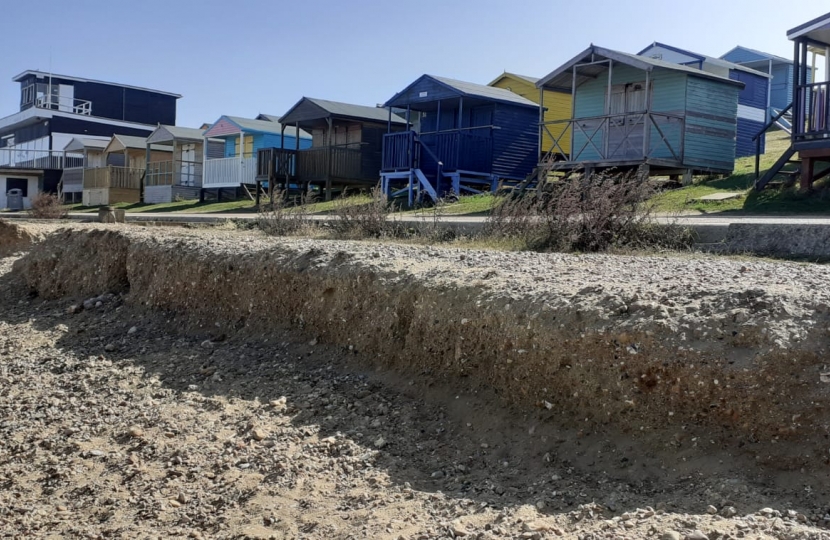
[[14, 199]]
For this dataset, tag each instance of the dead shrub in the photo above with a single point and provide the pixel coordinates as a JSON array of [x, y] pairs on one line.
[[587, 213], [48, 206], [370, 220], [286, 214]]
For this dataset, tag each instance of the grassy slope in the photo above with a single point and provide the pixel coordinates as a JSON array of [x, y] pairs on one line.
[[741, 180]]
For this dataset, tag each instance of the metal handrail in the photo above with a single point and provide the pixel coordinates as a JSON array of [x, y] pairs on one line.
[[757, 138]]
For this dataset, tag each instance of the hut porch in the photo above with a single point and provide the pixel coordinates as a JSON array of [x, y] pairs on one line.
[[810, 108]]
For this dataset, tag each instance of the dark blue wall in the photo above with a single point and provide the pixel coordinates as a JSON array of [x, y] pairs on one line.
[[119, 102], [755, 90], [516, 143], [744, 145]]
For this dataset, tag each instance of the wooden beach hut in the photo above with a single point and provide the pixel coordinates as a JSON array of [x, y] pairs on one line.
[[461, 138], [753, 101], [242, 138], [346, 146], [121, 176], [180, 175], [81, 153], [632, 111]]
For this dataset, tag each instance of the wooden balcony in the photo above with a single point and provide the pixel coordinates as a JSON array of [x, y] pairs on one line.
[[812, 114], [229, 172], [112, 177], [174, 173], [457, 150], [620, 138], [311, 165]]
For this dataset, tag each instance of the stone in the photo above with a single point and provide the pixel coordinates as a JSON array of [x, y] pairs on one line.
[[136, 432], [671, 535], [729, 512], [711, 510], [380, 442], [258, 434], [696, 535], [109, 347], [132, 330], [207, 344]]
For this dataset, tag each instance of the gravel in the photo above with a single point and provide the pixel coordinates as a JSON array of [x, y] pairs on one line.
[[177, 432]]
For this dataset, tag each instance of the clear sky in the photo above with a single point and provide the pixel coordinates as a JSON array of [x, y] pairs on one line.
[[243, 57]]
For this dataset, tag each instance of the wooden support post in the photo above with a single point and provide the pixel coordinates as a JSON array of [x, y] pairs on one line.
[[807, 173], [176, 173], [796, 97], [540, 140], [329, 156], [687, 177], [647, 120]]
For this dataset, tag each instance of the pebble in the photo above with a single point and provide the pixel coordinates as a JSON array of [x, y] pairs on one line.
[[258, 434], [711, 510], [109, 347], [136, 432], [696, 535], [671, 535], [380, 442], [132, 330]]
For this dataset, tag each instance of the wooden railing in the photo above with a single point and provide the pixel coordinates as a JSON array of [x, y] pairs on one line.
[[229, 172], [462, 150], [72, 179], [174, 173], [276, 163], [313, 164], [398, 151], [113, 177], [812, 119], [17, 158], [456, 150], [628, 136]]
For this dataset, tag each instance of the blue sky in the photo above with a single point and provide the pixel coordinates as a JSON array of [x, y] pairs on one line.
[[243, 57]]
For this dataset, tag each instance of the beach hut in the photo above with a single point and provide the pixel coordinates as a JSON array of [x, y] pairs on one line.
[[781, 79], [180, 175], [753, 101], [462, 138], [346, 145], [632, 112], [80, 153], [557, 105], [242, 137], [810, 135], [119, 178]]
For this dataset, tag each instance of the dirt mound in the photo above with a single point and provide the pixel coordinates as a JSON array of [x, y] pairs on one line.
[[683, 350], [71, 263], [15, 238]]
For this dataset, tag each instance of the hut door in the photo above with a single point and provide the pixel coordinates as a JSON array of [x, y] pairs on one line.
[[627, 120], [188, 164]]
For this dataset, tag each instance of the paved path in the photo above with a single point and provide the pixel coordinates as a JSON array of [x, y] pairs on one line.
[[698, 219]]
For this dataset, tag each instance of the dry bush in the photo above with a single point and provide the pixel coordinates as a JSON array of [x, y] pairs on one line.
[[587, 213], [48, 206], [370, 220], [286, 215]]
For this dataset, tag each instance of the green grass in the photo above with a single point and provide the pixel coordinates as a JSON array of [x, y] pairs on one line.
[[769, 201], [227, 207], [190, 206], [467, 205]]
